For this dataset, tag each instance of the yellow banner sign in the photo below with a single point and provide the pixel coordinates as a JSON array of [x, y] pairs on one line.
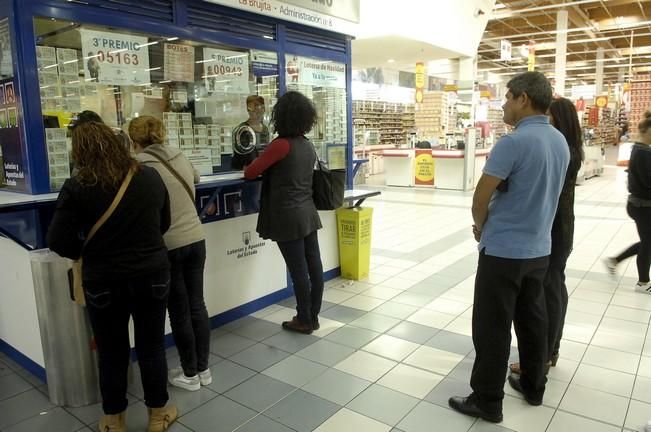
[[424, 168]]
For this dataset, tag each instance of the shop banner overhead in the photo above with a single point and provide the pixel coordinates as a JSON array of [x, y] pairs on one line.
[[336, 16]]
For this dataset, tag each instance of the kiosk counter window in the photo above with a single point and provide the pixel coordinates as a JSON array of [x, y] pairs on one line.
[[198, 90], [324, 82]]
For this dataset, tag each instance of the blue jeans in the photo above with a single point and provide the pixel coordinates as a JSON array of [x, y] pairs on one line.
[[303, 260], [187, 309], [110, 304]]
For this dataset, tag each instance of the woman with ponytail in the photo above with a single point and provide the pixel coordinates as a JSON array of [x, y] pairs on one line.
[[187, 253]]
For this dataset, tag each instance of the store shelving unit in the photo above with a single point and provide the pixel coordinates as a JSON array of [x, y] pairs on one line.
[[394, 121], [431, 117], [640, 99]]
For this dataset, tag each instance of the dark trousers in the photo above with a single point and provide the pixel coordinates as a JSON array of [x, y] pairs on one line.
[[642, 218], [508, 291], [110, 304], [187, 309], [303, 259], [556, 298]]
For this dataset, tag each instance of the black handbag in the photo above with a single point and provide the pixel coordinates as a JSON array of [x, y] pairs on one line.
[[328, 187]]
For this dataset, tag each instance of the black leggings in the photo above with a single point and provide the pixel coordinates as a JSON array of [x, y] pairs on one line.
[[642, 218], [303, 260]]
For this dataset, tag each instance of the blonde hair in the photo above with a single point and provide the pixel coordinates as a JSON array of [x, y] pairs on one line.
[[146, 130]]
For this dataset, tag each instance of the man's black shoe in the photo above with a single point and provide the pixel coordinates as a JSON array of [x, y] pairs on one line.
[[514, 382], [468, 406]]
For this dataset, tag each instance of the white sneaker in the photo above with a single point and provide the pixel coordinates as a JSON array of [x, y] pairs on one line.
[[643, 287], [205, 377], [611, 265], [177, 378]]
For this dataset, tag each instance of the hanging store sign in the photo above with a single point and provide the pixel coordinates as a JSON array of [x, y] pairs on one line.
[[420, 81], [332, 15], [315, 72], [115, 58], [505, 50], [531, 57], [226, 71], [601, 101], [178, 63]]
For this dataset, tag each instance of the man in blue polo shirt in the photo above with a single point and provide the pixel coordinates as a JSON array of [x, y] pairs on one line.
[[513, 209]]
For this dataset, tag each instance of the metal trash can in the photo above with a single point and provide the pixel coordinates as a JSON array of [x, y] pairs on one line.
[[66, 336]]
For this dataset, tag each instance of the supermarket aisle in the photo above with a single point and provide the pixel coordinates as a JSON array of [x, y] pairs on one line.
[[393, 348]]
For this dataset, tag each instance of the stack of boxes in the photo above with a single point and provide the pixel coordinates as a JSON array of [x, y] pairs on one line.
[[431, 117], [640, 99], [57, 155]]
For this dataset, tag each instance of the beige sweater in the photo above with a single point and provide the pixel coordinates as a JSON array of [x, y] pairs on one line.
[[186, 227]]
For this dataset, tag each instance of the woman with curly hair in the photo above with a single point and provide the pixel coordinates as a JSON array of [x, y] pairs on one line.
[[288, 215], [125, 266]]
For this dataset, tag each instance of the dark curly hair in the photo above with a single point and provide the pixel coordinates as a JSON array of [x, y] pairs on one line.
[[293, 115], [100, 156]]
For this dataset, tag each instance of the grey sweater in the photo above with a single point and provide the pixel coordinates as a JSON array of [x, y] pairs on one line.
[[185, 228]]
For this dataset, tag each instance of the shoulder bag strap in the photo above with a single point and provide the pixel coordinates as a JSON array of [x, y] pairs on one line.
[[175, 174], [107, 214]]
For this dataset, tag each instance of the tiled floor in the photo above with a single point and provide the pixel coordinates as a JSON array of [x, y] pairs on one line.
[[393, 348]]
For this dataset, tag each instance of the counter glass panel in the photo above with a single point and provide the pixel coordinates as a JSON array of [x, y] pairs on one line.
[[198, 90], [324, 82]]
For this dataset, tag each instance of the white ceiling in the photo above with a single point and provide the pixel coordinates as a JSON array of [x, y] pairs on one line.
[[376, 51]]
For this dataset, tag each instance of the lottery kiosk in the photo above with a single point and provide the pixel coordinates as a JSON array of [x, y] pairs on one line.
[[193, 64]]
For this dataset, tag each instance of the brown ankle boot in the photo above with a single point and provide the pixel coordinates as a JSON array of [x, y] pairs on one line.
[[297, 326], [113, 423], [160, 419]]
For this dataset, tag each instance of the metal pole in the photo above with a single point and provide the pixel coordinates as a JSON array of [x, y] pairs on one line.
[[630, 58]]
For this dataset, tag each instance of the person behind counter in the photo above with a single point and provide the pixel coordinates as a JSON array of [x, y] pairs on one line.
[[255, 108], [125, 266], [187, 253], [288, 215]]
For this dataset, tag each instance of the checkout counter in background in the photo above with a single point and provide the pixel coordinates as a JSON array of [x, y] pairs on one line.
[[457, 168]]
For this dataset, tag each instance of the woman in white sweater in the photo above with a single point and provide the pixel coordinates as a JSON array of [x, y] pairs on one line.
[[187, 253]]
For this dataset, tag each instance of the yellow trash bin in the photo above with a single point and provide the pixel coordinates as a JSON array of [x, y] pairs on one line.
[[354, 227]]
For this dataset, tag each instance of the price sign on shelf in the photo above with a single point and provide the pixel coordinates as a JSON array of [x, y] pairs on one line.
[[226, 71], [115, 58]]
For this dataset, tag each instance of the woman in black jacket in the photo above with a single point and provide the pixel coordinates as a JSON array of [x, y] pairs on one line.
[[288, 215], [639, 206], [125, 267], [563, 116]]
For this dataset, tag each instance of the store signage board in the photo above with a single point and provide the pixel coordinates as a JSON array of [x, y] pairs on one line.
[[420, 81], [315, 72], [12, 150], [505, 50], [264, 63], [306, 12], [179, 62], [6, 65], [226, 71], [424, 168], [115, 58]]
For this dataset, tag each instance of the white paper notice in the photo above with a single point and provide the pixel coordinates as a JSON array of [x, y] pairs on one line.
[[115, 58], [226, 71], [179, 63], [201, 160]]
